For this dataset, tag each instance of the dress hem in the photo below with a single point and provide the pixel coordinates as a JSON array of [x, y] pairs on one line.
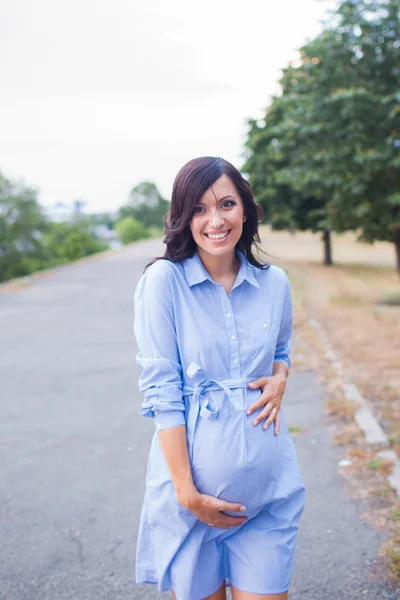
[[280, 591], [228, 583]]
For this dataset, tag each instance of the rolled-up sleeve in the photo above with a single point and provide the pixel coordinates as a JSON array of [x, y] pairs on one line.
[[282, 350], [158, 355]]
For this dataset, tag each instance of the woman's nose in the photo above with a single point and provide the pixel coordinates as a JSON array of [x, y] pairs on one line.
[[216, 218]]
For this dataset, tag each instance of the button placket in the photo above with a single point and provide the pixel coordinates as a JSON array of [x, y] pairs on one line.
[[232, 334]]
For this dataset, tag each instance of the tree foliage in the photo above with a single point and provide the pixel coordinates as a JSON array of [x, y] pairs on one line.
[[21, 226], [327, 154], [130, 230], [67, 241], [146, 205]]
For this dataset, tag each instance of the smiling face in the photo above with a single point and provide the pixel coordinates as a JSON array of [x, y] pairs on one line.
[[218, 218]]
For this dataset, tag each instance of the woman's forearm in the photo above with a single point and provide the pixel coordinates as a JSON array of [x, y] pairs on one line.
[[173, 442], [281, 368]]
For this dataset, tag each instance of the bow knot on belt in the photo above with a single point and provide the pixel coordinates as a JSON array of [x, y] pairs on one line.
[[203, 406]]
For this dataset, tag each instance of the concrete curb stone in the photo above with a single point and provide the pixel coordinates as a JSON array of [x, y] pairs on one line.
[[363, 416]]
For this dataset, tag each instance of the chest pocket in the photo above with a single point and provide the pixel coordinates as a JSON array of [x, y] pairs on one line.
[[263, 336]]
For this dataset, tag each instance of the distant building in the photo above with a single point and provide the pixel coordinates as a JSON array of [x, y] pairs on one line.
[[60, 212], [109, 236]]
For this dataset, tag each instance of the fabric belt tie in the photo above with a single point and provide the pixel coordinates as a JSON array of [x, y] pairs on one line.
[[203, 406]]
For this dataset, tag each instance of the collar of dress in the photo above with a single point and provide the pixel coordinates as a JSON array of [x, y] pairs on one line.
[[196, 272]]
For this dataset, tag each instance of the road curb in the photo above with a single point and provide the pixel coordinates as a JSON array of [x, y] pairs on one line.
[[365, 419]]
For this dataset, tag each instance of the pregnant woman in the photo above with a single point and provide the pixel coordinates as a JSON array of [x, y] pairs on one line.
[[224, 492]]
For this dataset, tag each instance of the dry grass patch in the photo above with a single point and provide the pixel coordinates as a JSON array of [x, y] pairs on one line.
[[342, 408], [353, 302], [346, 299], [394, 556], [360, 453], [383, 465], [349, 434]]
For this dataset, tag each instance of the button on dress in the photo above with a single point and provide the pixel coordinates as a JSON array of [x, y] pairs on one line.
[[199, 347]]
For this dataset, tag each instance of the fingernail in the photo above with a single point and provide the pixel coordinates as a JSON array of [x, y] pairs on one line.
[[243, 508], [255, 422], [248, 411], [252, 384]]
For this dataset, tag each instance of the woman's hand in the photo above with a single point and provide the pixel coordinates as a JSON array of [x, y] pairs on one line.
[[208, 510], [273, 388]]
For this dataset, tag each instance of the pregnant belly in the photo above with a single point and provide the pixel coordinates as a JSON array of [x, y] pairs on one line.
[[234, 460]]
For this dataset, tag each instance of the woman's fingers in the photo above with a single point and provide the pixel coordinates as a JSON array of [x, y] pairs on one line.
[[210, 512], [261, 401], [233, 506], [272, 415], [269, 413], [220, 520], [264, 413], [223, 520], [227, 522], [277, 423]]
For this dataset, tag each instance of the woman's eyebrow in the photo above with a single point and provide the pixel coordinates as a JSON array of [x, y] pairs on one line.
[[220, 200]]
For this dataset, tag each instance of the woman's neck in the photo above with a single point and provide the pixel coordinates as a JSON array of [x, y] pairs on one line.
[[220, 267]]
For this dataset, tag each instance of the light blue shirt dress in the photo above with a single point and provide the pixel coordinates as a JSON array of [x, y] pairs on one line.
[[199, 347]]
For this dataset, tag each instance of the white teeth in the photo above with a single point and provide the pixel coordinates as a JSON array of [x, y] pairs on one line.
[[217, 236]]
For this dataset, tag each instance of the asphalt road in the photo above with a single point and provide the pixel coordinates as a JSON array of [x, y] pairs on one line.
[[74, 449]]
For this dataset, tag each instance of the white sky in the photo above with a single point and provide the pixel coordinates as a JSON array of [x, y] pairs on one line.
[[97, 96]]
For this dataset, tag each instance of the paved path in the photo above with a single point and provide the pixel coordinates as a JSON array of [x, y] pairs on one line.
[[74, 449]]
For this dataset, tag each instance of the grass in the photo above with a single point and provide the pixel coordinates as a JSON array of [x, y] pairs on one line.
[[396, 514], [358, 453], [384, 491], [394, 557], [390, 299], [295, 430], [374, 464], [341, 408], [384, 466]]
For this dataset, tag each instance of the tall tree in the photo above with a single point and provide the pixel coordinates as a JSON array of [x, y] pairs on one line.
[[339, 130], [371, 30], [146, 205], [21, 225], [269, 154]]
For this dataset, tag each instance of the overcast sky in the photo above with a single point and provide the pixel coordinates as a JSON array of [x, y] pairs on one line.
[[97, 96]]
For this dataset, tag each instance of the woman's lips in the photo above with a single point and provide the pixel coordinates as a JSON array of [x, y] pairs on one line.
[[219, 240]]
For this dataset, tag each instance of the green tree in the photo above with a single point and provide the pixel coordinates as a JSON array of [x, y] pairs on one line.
[[371, 30], [70, 241], [268, 155], [21, 226], [146, 205], [338, 133], [130, 230], [104, 218]]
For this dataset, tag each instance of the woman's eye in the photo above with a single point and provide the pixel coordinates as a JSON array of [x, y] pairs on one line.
[[198, 209]]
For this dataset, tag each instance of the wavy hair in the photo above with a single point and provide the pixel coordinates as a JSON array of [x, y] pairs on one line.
[[191, 182]]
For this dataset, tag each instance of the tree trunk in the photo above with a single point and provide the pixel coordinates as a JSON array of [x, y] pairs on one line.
[[397, 250], [326, 236]]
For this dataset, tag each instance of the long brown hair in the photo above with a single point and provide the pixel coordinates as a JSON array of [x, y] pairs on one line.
[[192, 181]]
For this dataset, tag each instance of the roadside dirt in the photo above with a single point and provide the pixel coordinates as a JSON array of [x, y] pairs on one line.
[[365, 335]]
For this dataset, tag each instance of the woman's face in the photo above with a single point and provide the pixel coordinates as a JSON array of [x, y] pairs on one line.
[[219, 211]]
